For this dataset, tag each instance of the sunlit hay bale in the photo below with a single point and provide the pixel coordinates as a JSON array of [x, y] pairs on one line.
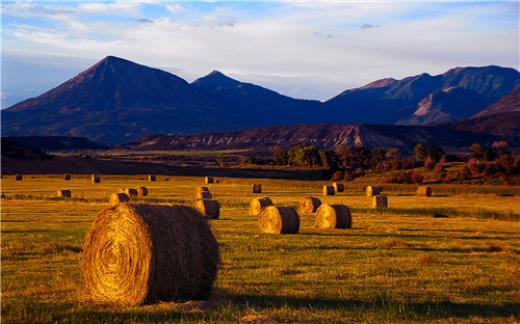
[[67, 177], [328, 190], [18, 177], [152, 178], [309, 205], [140, 253], [142, 191], [256, 188], [338, 186], [425, 191], [63, 193], [209, 208], [95, 178], [258, 204], [117, 198], [279, 220], [373, 191], [209, 180], [333, 216], [380, 201], [131, 192], [203, 193]]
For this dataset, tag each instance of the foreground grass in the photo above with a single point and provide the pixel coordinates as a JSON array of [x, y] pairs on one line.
[[396, 265]]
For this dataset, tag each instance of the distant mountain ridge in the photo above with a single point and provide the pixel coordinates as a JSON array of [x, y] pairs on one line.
[[116, 101]]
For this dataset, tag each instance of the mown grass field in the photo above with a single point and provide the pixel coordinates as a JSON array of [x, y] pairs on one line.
[[394, 265]]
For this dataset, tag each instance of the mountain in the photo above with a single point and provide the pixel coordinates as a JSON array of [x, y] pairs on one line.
[[425, 99], [323, 136], [507, 104]]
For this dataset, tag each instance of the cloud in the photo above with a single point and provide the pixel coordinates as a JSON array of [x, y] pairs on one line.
[[118, 7], [369, 26], [174, 8]]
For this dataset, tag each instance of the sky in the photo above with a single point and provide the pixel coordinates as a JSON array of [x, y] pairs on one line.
[[303, 49]]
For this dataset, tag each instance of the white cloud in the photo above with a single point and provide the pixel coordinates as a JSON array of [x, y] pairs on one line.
[[174, 8]]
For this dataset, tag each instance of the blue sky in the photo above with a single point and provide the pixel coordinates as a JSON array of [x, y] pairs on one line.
[[305, 49]]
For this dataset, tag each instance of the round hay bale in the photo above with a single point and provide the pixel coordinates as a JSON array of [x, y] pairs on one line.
[[67, 177], [256, 188], [309, 205], [258, 204], [131, 192], [209, 180], [18, 177], [95, 178], [152, 178], [373, 191], [117, 198], [333, 216], [3, 195], [142, 191], [338, 186], [63, 193], [279, 220], [425, 191], [209, 208], [203, 193], [139, 253], [380, 201], [328, 190]]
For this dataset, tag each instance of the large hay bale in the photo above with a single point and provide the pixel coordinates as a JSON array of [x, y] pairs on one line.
[[63, 193], [373, 191], [279, 220], [209, 208], [139, 253], [425, 191], [380, 201], [338, 186], [258, 204], [203, 193], [256, 188], [142, 191], [18, 177], [152, 178], [67, 177], [309, 205], [131, 192], [328, 190], [117, 198], [209, 180], [95, 178], [333, 216]]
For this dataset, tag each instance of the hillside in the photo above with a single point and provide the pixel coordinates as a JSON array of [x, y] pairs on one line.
[[55, 143]]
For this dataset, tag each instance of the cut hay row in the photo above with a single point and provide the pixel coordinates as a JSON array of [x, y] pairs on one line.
[[258, 204], [328, 190], [279, 220], [333, 216], [256, 188], [136, 253], [209, 208], [63, 193], [380, 201], [309, 205]]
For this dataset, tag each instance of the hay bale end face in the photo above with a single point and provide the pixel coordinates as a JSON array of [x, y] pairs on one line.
[[131, 192], [142, 191], [279, 220], [373, 191], [18, 177], [328, 190], [137, 253], [380, 201], [338, 186], [258, 204], [209, 208], [63, 193], [333, 216], [67, 177], [152, 178], [95, 178], [256, 188], [425, 191], [309, 205], [117, 198]]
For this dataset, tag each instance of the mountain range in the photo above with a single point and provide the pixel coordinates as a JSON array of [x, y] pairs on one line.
[[117, 101]]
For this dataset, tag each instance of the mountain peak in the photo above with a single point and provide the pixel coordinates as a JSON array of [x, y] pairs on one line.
[[380, 83], [216, 78]]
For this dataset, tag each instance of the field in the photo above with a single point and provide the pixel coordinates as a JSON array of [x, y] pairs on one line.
[[395, 265]]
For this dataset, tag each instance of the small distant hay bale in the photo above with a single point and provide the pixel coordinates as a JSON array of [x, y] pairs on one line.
[[152, 178], [18, 177], [63, 193], [338, 186], [256, 188], [209, 180], [117, 198], [309, 205], [425, 191], [67, 177], [142, 191], [3, 195], [333, 216], [258, 204], [131, 192], [380, 201], [95, 178], [279, 220], [209, 208], [373, 191], [203, 193], [140, 253], [328, 190]]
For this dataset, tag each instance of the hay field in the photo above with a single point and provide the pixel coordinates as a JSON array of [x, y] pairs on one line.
[[395, 265]]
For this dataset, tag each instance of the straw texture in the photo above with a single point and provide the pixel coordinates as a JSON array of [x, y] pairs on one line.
[[279, 220], [333, 216], [258, 204]]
